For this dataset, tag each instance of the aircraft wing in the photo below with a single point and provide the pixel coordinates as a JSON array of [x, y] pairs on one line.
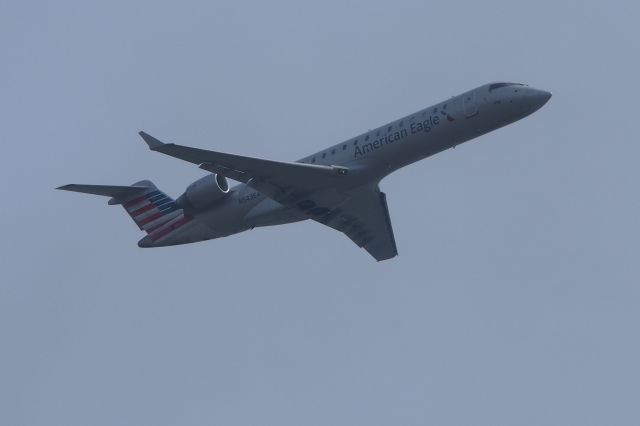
[[285, 182], [314, 190], [364, 218]]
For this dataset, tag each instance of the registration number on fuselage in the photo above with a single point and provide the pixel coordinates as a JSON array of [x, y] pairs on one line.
[[248, 197]]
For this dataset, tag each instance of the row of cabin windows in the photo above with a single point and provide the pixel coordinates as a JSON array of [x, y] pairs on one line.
[[400, 125]]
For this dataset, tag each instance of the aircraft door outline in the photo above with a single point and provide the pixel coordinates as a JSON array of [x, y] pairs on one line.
[[470, 104]]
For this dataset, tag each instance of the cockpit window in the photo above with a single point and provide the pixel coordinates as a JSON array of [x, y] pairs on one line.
[[495, 86]]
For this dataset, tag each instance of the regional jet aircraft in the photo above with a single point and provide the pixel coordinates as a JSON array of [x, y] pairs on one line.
[[337, 187]]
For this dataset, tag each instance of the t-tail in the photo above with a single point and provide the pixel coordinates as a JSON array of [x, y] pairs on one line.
[[151, 209]]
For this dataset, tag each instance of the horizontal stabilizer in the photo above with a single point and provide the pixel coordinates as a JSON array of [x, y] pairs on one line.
[[151, 209], [115, 191]]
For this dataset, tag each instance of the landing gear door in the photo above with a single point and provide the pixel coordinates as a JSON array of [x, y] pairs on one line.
[[469, 104]]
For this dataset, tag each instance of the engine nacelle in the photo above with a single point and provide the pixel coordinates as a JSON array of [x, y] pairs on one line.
[[204, 191]]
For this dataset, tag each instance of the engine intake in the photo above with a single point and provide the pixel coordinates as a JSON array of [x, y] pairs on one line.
[[204, 192]]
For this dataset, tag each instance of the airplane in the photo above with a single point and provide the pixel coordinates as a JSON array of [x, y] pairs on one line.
[[337, 187]]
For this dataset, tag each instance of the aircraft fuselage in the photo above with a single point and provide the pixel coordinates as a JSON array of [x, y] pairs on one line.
[[373, 155], [337, 187]]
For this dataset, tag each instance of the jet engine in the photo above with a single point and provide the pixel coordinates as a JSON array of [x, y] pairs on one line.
[[204, 191]]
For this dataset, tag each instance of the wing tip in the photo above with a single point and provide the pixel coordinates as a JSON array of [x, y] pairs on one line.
[[152, 142]]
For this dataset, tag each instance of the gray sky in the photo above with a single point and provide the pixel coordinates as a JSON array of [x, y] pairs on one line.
[[515, 296]]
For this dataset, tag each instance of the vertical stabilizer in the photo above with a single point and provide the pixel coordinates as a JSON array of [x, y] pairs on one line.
[[154, 211]]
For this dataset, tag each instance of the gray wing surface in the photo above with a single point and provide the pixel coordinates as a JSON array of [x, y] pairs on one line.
[[364, 218], [285, 182], [315, 190]]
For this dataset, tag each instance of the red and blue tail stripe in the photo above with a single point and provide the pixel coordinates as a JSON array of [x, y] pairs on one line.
[[156, 213]]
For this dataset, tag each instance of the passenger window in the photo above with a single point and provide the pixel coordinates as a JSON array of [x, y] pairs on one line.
[[313, 160], [355, 142], [324, 154], [401, 124], [333, 151], [389, 129], [344, 147], [366, 138]]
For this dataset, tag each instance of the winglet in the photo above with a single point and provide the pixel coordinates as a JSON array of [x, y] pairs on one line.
[[153, 143]]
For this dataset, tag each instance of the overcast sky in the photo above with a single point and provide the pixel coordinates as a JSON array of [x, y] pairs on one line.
[[514, 300]]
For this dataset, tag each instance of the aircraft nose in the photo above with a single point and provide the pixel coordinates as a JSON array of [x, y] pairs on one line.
[[534, 99], [545, 96], [541, 97]]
